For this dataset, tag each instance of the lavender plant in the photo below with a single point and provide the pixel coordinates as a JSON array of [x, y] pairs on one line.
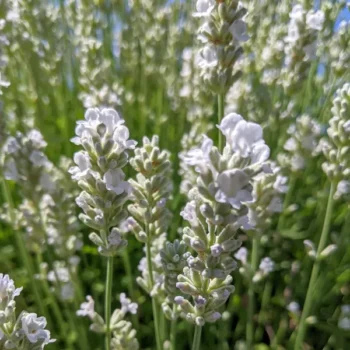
[[218, 208], [151, 189], [99, 174]]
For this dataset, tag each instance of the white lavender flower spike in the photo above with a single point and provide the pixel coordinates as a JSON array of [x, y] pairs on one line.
[[99, 173], [268, 189], [300, 44], [151, 189], [302, 144], [337, 165], [221, 33]]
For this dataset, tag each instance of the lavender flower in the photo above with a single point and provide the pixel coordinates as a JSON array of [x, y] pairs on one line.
[[127, 305], [87, 308]]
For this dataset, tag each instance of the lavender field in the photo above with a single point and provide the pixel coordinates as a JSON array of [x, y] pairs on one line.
[[175, 174]]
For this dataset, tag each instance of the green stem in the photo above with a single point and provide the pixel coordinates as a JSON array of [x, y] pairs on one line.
[[251, 304], [221, 98], [173, 330], [315, 270], [154, 302], [131, 289], [264, 303], [197, 338], [283, 326], [77, 283], [162, 325], [286, 203], [78, 289], [108, 302], [28, 263], [82, 343], [127, 267]]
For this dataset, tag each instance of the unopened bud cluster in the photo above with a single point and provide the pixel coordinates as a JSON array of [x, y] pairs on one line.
[[324, 254], [151, 190], [267, 199], [337, 148], [266, 266], [222, 32], [302, 143], [174, 259], [99, 174], [150, 216], [27, 331]]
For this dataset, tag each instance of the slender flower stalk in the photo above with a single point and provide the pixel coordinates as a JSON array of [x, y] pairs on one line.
[[131, 285], [155, 308], [251, 296], [127, 267], [173, 332], [264, 307], [108, 300], [197, 338], [315, 270]]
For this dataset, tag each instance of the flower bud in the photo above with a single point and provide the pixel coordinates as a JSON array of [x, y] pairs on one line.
[[328, 251], [95, 238]]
